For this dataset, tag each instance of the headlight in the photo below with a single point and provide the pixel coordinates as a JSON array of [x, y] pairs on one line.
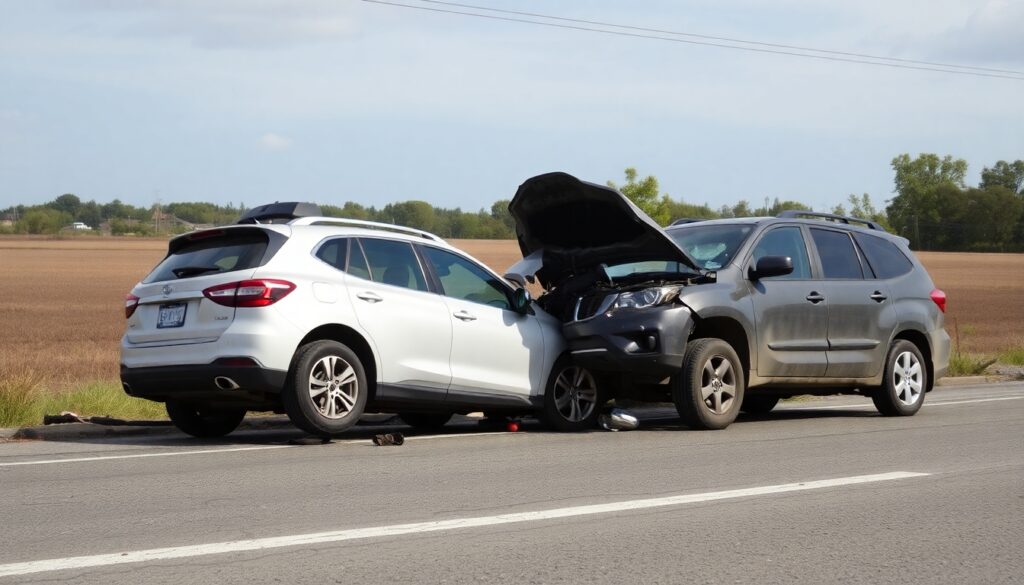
[[648, 297]]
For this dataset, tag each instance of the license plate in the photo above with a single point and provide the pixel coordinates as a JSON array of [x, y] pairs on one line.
[[171, 316]]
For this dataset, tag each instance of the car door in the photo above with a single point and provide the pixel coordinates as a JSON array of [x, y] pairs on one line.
[[410, 326], [495, 350], [861, 316], [790, 311]]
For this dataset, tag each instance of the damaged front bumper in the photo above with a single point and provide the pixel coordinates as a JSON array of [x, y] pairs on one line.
[[648, 343]]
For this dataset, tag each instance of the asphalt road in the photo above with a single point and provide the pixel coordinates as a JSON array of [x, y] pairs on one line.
[[817, 492]]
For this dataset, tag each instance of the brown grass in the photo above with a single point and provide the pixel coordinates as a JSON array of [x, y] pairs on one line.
[[61, 312]]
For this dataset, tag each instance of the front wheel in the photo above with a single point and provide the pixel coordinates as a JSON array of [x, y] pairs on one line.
[[572, 398], [326, 391], [203, 422], [708, 392], [906, 378]]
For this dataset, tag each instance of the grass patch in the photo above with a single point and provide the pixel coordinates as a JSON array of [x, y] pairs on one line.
[[1012, 357], [24, 399], [968, 364]]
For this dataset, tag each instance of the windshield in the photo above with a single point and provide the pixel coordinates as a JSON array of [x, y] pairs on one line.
[[712, 246], [647, 267]]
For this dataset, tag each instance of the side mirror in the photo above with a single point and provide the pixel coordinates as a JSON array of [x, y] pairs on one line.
[[770, 266], [521, 300]]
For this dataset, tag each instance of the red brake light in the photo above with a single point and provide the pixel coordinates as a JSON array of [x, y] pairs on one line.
[[939, 298], [131, 302], [249, 293]]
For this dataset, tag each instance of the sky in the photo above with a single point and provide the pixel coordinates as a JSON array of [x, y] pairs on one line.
[[252, 101]]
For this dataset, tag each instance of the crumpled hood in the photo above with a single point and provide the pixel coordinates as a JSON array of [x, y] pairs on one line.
[[575, 226]]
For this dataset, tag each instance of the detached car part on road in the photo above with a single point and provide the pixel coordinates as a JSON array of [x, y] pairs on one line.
[[326, 318], [728, 315]]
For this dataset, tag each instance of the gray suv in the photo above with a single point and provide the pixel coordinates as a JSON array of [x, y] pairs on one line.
[[728, 315]]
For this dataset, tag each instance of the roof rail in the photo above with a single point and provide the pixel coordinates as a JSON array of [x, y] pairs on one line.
[[373, 225], [833, 218]]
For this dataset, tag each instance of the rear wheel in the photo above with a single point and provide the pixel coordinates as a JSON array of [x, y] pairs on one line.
[[759, 403], [202, 421], [572, 398], [708, 391], [906, 379], [326, 390], [425, 421]]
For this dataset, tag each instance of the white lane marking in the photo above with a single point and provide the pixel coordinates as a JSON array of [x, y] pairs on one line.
[[926, 404], [142, 455], [225, 450], [177, 552]]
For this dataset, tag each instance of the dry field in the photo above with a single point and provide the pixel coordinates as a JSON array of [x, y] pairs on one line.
[[61, 314]]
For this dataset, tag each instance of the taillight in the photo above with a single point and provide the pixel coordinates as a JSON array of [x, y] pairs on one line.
[[131, 302], [939, 298], [249, 293]]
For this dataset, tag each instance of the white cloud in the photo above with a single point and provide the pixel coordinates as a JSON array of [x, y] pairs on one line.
[[275, 142]]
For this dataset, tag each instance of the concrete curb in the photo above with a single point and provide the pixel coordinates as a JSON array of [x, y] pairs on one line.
[[969, 380]]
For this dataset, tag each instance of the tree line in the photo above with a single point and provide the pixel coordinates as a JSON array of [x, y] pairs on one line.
[[933, 207]]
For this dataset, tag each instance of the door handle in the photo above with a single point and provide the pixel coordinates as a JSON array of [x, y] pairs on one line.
[[369, 297], [878, 297], [815, 297], [463, 315]]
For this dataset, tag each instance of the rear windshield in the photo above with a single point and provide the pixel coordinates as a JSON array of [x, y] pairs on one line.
[[225, 251], [712, 246]]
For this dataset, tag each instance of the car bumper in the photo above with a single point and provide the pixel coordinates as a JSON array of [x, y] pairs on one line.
[[250, 386], [649, 343]]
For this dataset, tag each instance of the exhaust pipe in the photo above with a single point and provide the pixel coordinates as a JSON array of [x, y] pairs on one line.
[[225, 383]]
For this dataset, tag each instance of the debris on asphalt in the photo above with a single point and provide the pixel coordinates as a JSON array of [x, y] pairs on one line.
[[386, 439], [70, 417], [618, 420]]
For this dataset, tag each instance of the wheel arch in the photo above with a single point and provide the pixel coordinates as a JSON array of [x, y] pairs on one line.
[[920, 340], [354, 341], [728, 330]]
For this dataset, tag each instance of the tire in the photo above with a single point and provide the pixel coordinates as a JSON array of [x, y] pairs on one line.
[[572, 398], [906, 379], [759, 403], [425, 421], [708, 392], [326, 391], [204, 422]]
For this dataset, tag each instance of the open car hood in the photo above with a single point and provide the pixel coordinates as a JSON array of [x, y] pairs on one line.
[[566, 226]]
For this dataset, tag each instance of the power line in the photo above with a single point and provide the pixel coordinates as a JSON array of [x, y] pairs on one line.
[[722, 45], [726, 39]]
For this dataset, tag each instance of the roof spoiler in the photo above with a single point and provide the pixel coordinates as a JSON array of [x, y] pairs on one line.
[[279, 212]]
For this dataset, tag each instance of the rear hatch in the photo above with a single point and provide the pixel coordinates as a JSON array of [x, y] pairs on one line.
[[172, 308]]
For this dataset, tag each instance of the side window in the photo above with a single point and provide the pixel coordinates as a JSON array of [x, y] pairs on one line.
[[393, 263], [462, 279], [884, 257], [838, 256], [785, 241], [357, 265], [333, 252]]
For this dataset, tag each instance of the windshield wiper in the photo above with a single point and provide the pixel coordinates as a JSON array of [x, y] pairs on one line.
[[186, 271]]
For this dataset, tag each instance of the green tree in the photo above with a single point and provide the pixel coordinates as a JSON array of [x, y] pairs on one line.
[[863, 208], [924, 186], [67, 203], [645, 194], [742, 209], [1004, 174], [42, 220]]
